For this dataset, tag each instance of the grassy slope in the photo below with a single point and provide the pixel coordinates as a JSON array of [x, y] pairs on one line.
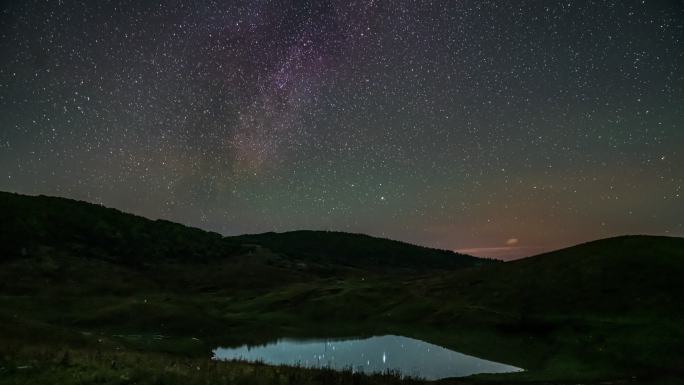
[[614, 305], [359, 250], [55, 226], [607, 310]]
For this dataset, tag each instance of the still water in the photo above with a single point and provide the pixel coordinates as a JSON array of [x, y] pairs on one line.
[[406, 356]]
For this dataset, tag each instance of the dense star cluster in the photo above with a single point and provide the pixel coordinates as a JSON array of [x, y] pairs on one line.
[[499, 128]]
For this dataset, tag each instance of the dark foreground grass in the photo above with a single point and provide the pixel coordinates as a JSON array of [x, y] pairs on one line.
[[583, 350], [47, 365], [72, 367], [151, 331]]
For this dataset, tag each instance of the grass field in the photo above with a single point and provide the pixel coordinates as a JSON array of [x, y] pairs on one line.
[[145, 306]]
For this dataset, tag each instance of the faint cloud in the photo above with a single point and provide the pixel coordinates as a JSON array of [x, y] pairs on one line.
[[512, 242], [506, 253]]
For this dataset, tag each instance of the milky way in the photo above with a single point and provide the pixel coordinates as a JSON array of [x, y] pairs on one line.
[[499, 128]]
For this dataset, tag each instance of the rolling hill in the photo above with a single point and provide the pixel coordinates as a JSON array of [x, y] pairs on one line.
[[31, 226], [90, 279], [618, 275], [359, 250]]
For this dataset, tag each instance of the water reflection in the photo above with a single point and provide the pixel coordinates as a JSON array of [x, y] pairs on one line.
[[404, 355]]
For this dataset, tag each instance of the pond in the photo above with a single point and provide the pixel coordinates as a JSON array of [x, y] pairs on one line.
[[402, 355]]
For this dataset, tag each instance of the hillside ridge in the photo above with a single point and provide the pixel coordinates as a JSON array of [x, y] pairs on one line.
[[41, 224]]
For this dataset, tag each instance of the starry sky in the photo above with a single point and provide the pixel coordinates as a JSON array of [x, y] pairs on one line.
[[497, 128]]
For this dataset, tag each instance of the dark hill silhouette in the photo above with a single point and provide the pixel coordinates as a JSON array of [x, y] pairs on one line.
[[616, 275], [48, 225], [358, 250], [41, 225]]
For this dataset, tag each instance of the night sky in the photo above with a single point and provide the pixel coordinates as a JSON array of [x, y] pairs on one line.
[[500, 128]]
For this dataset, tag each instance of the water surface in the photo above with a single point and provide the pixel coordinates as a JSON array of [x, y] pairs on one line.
[[403, 355]]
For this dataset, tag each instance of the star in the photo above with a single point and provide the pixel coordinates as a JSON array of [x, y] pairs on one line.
[[463, 124]]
